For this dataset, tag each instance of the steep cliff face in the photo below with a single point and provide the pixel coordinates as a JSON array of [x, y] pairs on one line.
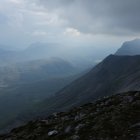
[[111, 118]]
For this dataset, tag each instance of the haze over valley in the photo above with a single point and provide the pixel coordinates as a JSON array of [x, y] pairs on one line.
[[69, 70]]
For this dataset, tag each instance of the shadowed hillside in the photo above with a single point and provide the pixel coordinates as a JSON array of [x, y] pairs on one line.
[[112, 118], [112, 75]]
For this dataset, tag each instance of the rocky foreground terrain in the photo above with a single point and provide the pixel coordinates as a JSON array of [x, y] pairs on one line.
[[112, 118]]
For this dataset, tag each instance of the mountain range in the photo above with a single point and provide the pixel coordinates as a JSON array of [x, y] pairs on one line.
[[113, 75], [116, 73], [39, 50]]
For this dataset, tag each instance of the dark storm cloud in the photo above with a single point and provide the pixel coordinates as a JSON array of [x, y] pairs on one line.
[[99, 16]]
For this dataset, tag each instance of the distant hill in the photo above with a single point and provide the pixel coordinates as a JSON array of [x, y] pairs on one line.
[[31, 71], [110, 118], [130, 48]]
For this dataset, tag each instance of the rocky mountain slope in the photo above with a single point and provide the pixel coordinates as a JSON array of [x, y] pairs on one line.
[[115, 74], [130, 48], [111, 118]]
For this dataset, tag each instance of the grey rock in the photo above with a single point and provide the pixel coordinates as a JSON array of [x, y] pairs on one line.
[[79, 126], [68, 129], [51, 133], [75, 137], [128, 99], [136, 125]]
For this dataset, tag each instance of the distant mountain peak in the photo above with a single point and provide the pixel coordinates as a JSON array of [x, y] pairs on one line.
[[130, 48], [137, 39]]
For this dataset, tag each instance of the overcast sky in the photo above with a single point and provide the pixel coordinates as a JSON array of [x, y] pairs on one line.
[[98, 23]]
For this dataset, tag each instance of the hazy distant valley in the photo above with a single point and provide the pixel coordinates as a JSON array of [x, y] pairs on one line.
[[28, 76]]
